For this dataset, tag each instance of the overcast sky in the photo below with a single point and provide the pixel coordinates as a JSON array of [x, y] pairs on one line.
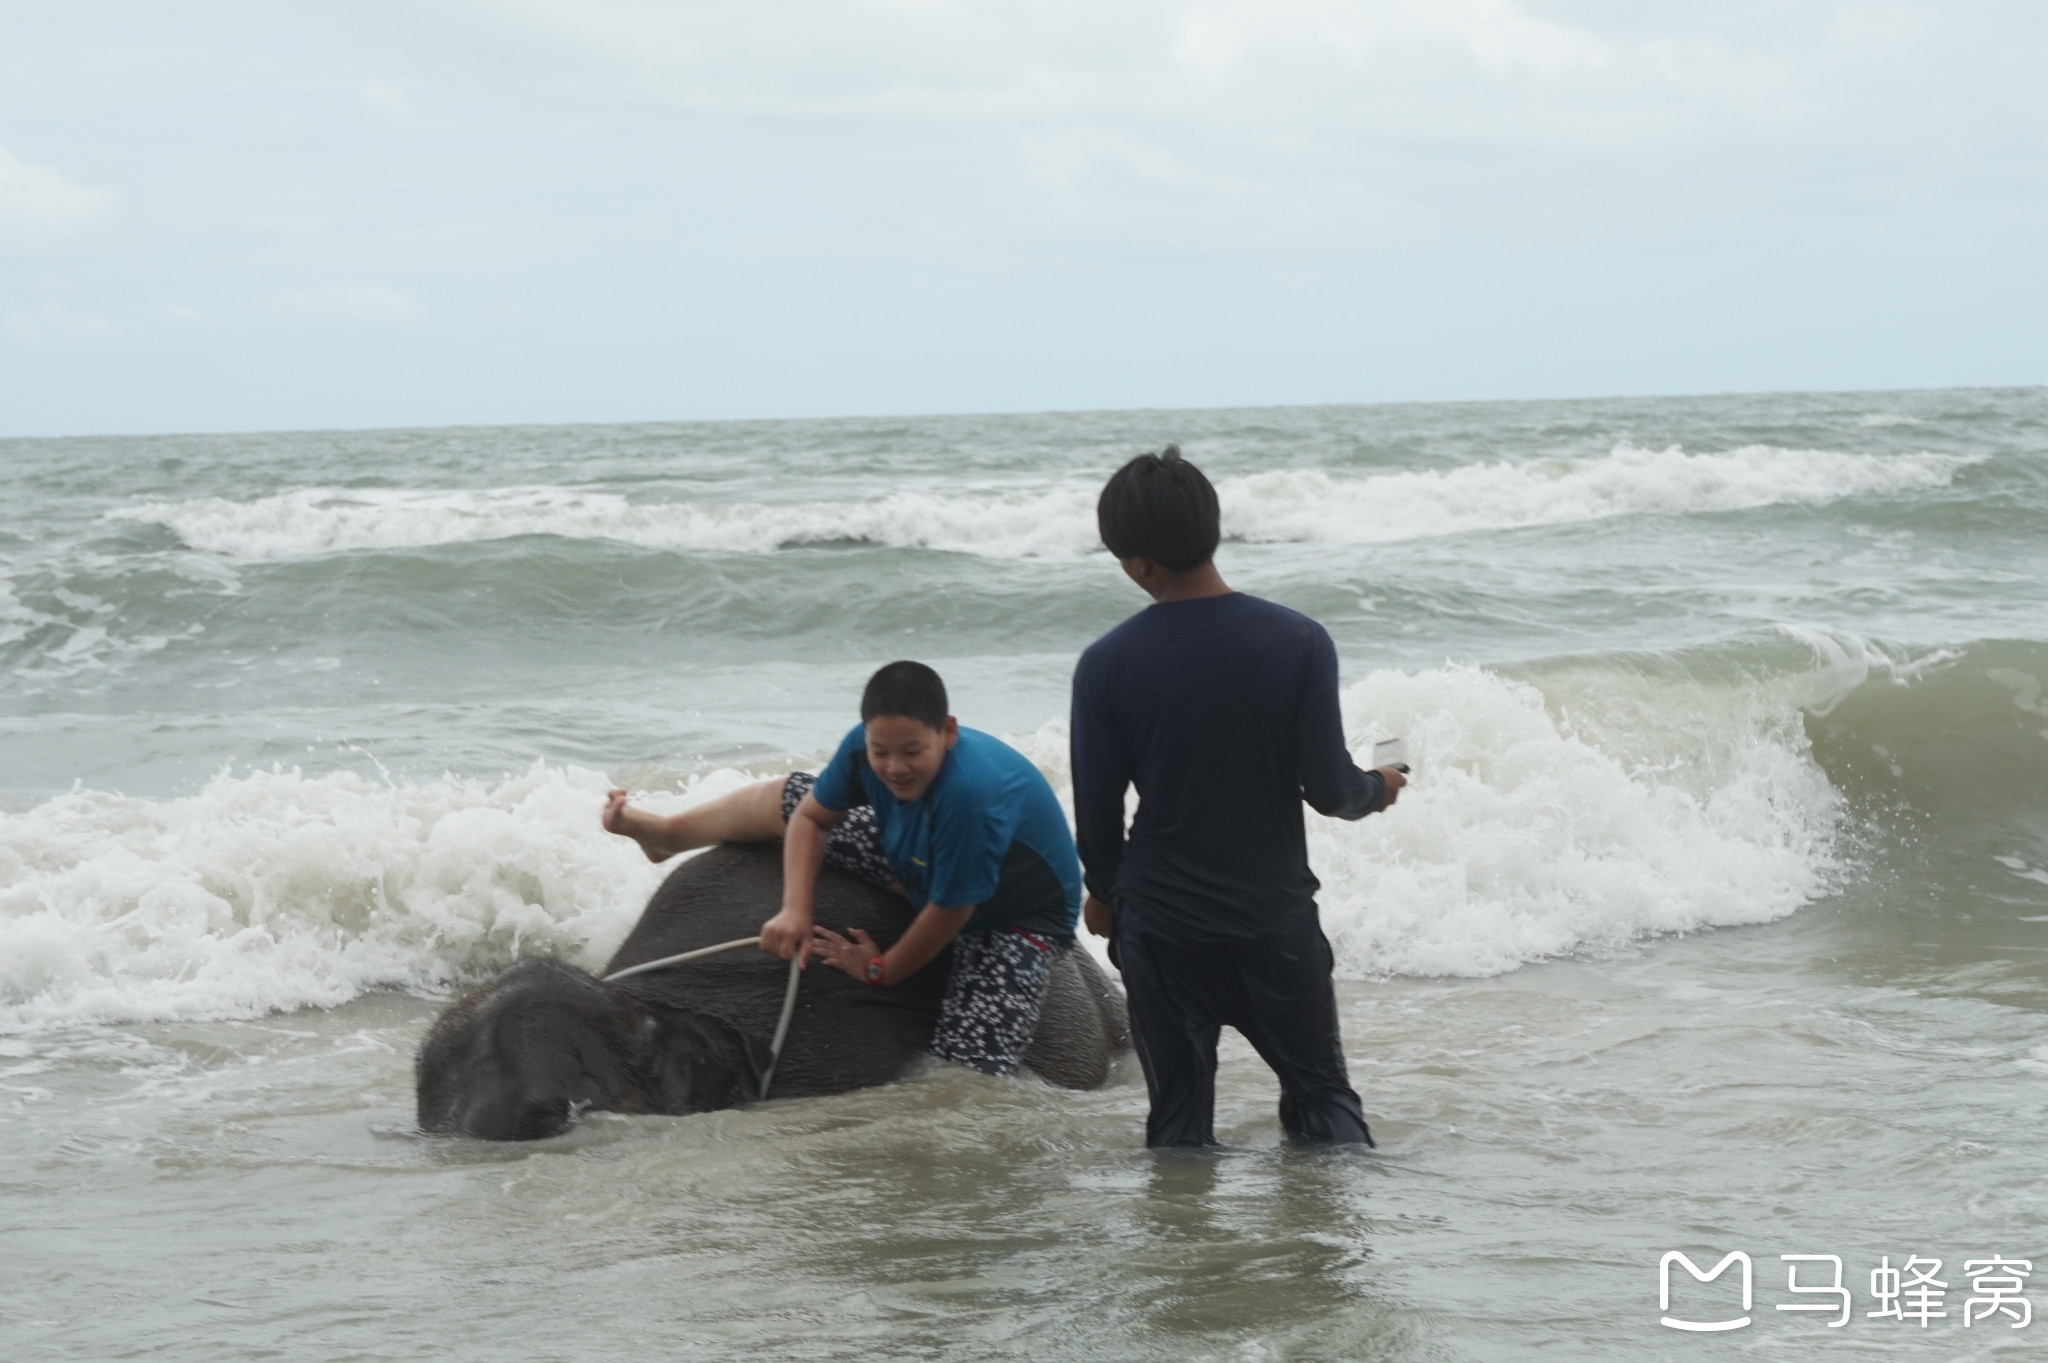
[[248, 215]]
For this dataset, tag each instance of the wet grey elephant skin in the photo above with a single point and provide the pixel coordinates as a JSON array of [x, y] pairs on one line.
[[519, 1058]]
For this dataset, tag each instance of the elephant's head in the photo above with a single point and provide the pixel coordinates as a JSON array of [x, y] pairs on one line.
[[520, 1058]]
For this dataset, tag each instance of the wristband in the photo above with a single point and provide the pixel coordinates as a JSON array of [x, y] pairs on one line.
[[875, 971]]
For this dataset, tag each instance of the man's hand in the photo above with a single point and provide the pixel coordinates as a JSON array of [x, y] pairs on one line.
[[787, 934], [850, 956], [1395, 780], [1098, 915]]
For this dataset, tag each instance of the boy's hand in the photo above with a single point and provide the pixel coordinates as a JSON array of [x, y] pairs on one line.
[[1395, 780], [850, 956], [1097, 915], [787, 934]]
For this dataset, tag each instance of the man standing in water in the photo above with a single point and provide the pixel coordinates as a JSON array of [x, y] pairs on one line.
[[1222, 709]]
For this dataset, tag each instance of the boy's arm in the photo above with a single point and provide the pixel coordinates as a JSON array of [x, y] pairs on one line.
[[1097, 756], [1330, 781], [788, 933], [925, 938]]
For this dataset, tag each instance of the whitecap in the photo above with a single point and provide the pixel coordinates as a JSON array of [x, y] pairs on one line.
[[273, 890], [1655, 805], [1306, 505]]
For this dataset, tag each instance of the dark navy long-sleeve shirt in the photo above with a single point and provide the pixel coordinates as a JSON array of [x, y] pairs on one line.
[[1223, 712]]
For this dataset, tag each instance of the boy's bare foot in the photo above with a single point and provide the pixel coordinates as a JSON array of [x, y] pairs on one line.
[[649, 830]]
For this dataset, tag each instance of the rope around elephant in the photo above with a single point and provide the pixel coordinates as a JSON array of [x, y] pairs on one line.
[[788, 994]]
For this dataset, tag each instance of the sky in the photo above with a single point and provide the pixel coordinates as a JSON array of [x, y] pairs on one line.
[[245, 215]]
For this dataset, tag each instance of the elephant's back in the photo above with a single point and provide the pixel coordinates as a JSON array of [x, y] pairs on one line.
[[844, 1034], [712, 897]]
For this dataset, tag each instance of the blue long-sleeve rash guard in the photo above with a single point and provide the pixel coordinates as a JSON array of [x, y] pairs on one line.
[[987, 832], [1223, 712]]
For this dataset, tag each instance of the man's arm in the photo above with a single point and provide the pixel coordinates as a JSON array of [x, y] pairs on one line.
[[1100, 763], [1330, 781]]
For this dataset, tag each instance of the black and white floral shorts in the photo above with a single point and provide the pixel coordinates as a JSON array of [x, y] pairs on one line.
[[997, 985], [992, 999], [855, 843]]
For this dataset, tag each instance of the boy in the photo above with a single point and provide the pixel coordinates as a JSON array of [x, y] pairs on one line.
[[1222, 710], [959, 821]]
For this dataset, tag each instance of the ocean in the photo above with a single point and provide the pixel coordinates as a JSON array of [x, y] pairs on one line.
[[1715, 921]]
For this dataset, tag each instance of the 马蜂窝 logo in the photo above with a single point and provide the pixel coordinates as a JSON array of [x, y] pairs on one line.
[[1910, 1294], [1664, 1289]]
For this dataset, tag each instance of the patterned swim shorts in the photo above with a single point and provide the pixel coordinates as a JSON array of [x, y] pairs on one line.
[[992, 999], [855, 844]]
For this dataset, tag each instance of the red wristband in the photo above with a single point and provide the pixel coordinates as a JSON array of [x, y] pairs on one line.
[[875, 972]]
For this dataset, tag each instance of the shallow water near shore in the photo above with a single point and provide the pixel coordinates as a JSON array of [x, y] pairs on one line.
[[239, 1188], [1718, 919]]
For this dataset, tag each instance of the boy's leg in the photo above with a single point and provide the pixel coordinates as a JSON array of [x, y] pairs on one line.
[[755, 813], [1290, 1017], [1174, 1026], [993, 998], [752, 813]]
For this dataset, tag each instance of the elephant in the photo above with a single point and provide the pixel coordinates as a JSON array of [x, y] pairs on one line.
[[521, 1057]]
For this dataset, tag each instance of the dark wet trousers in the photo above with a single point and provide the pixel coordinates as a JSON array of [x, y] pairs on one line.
[[1275, 990]]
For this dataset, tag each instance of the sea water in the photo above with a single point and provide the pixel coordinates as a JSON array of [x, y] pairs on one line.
[[1716, 919]]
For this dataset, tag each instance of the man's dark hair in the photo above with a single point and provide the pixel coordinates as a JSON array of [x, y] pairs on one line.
[[1161, 507], [908, 689]]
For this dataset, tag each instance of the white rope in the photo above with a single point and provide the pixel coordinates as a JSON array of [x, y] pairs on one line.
[[700, 953], [788, 994], [782, 1026]]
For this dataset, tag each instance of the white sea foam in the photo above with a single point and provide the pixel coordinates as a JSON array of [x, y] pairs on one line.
[[273, 890], [1524, 836], [1312, 505], [1056, 522], [315, 521]]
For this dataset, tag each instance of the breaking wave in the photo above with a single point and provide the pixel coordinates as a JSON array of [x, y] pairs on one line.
[[1574, 807], [1566, 806], [1057, 522]]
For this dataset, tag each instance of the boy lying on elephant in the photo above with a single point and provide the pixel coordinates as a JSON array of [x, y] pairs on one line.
[[955, 819]]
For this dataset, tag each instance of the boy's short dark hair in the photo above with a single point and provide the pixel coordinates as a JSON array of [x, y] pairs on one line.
[[908, 689], [1159, 506]]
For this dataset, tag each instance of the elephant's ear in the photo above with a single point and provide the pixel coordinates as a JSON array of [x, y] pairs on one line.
[[702, 1064]]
